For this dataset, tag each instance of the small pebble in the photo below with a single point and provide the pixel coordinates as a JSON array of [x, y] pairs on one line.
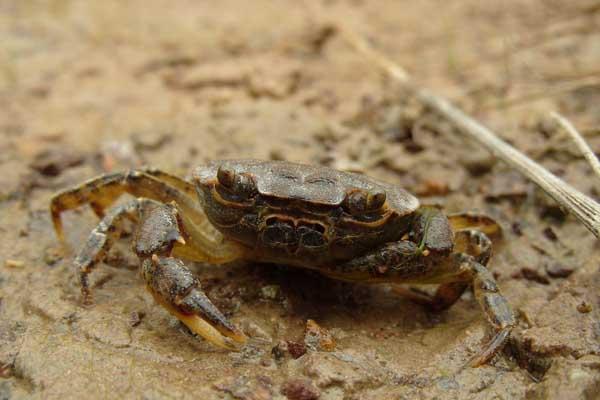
[[556, 269], [584, 307], [52, 255], [318, 338], [550, 234], [270, 292], [5, 371], [300, 389], [532, 275], [278, 352], [296, 349], [256, 331], [517, 229], [14, 263], [52, 162], [479, 164], [135, 318]]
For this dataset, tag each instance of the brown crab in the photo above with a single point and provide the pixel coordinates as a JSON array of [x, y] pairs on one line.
[[343, 225]]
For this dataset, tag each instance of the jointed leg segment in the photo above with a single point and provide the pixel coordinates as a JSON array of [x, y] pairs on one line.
[[101, 238], [206, 243], [168, 223], [401, 262], [495, 307], [468, 241], [104, 190]]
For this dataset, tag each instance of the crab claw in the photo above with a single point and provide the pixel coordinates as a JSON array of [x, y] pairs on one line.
[[203, 318], [175, 288]]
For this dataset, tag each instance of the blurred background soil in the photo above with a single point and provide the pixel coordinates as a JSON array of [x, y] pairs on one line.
[[88, 87]]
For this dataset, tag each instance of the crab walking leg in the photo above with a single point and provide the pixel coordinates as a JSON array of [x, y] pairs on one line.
[[100, 240], [468, 241], [395, 261], [496, 308], [172, 180], [206, 243], [399, 262], [475, 221], [102, 191], [467, 270]]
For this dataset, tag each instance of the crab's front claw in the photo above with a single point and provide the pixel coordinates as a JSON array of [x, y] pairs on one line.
[[202, 317], [174, 287]]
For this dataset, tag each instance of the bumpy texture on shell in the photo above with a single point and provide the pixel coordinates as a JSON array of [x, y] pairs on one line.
[[311, 184]]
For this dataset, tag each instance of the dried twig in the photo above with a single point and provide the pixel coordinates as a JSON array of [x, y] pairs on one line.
[[581, 206], [579, 141]]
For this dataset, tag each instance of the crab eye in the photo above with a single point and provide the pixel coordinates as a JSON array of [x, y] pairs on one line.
[[226, 177], [360, 201], [238, 186], [244, 186], [375, 200], [356, 202]]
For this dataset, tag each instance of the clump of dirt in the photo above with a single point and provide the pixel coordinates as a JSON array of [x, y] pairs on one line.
[[96, 87]]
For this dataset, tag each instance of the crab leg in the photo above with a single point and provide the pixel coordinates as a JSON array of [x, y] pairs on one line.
[[475, 221], [104, 190], [467, 271], [468, 241], [495, 307], [400, 263], [208, 244], [168, 279], [100, 240], [172, 180]]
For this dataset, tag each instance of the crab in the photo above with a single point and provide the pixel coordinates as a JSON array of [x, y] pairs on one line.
[[346, 226]]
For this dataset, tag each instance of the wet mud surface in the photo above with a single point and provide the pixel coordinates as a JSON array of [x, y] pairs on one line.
[[94, 87]]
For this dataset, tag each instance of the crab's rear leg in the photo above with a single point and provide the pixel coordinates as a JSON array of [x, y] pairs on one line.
[[472, 242], [400, 263], [476, 221], [101, 192], [104, 190], [494, 305], [467, 267], [471, 236], [458, 272]]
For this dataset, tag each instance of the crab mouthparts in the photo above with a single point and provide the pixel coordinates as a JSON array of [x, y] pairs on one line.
[[291, 233]]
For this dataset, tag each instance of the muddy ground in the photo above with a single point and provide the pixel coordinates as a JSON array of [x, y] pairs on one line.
[[92, 87]]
